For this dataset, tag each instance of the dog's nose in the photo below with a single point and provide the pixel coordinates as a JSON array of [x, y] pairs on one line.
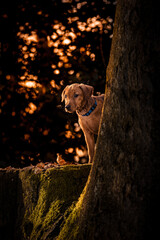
[[68, 107]]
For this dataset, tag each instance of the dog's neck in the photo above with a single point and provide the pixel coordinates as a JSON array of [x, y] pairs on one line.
[[86, 106]]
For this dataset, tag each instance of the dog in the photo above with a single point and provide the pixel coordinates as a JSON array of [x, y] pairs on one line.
[[79, 98]]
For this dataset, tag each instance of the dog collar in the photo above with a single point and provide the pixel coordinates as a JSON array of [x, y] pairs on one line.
[[91, 110]]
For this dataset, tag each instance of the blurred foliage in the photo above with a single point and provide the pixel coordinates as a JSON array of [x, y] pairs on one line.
[[44, 46]]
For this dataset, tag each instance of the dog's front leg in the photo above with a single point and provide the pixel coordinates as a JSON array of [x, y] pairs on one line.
[[89, 137]]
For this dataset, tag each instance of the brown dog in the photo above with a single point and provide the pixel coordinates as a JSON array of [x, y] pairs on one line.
[[79, 98]]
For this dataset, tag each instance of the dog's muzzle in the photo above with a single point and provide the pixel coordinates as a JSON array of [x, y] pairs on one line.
[[68, 108]]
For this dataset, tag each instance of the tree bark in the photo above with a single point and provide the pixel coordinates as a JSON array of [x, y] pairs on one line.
[[121, 198]]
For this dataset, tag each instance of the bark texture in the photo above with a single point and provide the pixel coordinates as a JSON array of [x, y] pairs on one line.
[[121, 198]]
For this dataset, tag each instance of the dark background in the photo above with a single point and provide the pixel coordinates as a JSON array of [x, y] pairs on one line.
[[44, 46]]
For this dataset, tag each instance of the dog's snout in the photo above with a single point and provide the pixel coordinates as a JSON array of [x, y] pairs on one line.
[[68, 107]]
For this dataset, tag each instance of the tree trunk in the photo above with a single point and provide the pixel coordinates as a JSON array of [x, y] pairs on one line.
[[121, 200]]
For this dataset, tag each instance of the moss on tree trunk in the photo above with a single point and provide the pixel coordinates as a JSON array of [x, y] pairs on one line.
[[121, 198], [34, 203]]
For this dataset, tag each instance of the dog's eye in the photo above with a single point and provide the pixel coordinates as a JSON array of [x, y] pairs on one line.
[[65, 96], [76, 95]]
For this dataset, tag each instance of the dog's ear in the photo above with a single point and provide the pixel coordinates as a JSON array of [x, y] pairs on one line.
[[63, 94], [87, 90]]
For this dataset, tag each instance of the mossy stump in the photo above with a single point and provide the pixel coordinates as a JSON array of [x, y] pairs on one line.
[[34, 203]]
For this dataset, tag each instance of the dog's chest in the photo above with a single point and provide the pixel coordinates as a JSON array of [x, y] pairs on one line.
[[90, 123]]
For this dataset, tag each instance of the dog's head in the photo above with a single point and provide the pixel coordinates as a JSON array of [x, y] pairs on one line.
[[75, 96]]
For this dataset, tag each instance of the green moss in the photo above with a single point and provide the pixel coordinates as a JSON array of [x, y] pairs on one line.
[[47, 197], [70, 229]]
